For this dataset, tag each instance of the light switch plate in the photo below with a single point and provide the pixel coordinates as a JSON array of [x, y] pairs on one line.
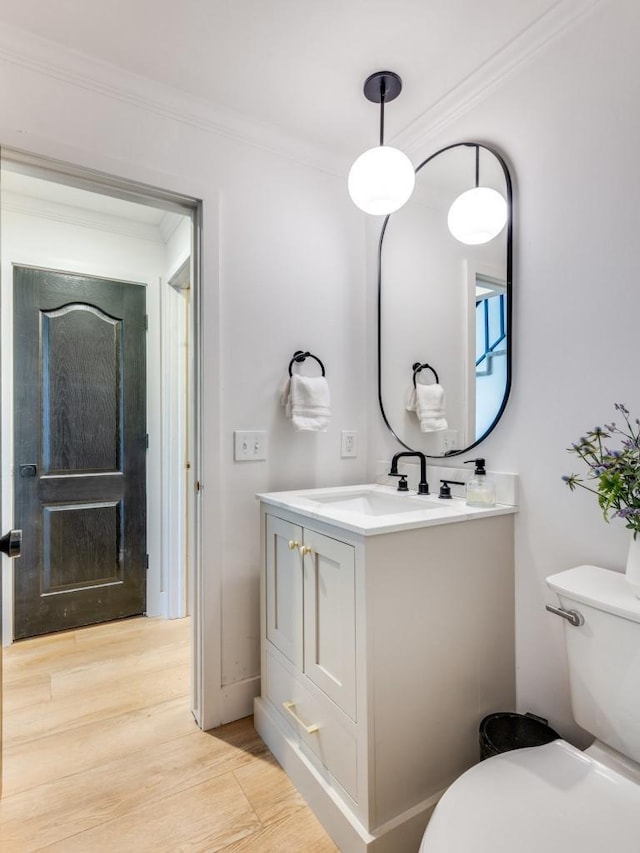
[[250, 445]]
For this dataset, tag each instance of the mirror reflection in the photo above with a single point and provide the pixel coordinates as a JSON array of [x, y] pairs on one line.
[[444, 331]]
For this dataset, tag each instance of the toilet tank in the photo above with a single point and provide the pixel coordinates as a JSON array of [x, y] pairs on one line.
[[603, 654]]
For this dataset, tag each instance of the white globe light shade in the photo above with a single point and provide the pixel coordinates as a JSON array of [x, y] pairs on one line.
[[477, 216], [381, 180]]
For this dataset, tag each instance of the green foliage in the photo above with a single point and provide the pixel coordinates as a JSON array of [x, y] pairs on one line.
[[613, 475]]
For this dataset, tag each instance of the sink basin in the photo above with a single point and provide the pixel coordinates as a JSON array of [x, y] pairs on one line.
[[374, 503]]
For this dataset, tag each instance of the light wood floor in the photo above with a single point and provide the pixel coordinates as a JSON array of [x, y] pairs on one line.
[[101, 753]]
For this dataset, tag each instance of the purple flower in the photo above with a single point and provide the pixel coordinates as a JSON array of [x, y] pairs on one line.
[[625, 512]]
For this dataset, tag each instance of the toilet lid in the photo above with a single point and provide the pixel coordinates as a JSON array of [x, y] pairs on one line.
[[546, 799]]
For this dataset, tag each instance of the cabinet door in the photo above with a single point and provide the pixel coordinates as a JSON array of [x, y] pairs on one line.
[[284, 587], [330, 619]]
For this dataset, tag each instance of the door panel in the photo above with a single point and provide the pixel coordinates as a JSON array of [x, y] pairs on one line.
[[81, 363], [284, 587], [93, 559], [330, 618], [80, 447]]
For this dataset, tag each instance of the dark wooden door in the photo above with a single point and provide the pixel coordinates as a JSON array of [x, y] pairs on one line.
[[80, 450]]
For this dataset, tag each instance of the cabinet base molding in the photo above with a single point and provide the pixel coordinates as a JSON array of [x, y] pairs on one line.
[[402, 835]]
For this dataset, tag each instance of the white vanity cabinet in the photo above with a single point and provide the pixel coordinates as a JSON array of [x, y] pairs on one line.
[[310, 654], [310, 606], [380, 655]]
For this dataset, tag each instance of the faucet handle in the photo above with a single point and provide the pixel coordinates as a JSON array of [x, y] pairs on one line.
[[403, 486], [445, 490]]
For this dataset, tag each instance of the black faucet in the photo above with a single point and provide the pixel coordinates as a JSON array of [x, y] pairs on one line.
[[423, 486]]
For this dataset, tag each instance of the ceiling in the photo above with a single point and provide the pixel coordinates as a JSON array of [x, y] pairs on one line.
[[296, 65]]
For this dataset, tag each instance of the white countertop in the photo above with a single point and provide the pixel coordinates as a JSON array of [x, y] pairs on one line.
[[392, 510]]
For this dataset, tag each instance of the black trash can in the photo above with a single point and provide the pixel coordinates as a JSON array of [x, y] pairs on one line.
[[506, 730]]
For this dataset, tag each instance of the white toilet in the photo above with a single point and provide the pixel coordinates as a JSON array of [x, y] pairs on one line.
[[556, 798]]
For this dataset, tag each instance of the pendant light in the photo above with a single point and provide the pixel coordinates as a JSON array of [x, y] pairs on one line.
[[382, 179], [479, 214]]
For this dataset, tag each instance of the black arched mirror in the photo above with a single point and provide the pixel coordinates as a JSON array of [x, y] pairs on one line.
[[444, 309]]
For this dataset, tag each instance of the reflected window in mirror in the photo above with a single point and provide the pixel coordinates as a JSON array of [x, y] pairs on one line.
[[491, 349]]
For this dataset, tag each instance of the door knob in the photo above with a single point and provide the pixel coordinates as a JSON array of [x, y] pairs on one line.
[[11, 543]]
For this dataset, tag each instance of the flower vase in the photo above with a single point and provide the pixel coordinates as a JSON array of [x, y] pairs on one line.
[[632, 572]]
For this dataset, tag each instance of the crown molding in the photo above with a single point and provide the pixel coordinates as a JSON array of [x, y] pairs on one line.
[[43, 56], [85, 218], [488, 77]]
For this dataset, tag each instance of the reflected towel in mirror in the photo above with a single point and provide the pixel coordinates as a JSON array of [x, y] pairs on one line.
[[307, 402], [427, 401]]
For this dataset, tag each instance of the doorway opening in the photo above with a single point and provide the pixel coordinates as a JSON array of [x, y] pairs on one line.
[[119, 339]]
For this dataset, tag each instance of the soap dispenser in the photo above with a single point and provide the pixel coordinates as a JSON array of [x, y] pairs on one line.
[[481, 490]]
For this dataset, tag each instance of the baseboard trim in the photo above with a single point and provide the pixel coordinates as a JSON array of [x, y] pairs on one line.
[[237, 699]]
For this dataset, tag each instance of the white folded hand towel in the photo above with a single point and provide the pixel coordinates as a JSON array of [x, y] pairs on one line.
[[427, 401], [307, 402]]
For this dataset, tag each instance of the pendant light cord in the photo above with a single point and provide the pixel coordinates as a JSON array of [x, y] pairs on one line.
[[382, 94], [477, 166]]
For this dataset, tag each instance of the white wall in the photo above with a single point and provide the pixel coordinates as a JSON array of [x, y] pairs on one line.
[[569, 125], [283, 269], [291, 272]]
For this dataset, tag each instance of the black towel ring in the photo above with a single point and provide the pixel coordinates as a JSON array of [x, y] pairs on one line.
[[417, 367], [300, 356]]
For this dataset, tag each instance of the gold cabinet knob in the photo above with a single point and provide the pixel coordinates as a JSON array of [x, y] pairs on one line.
[[293, 544], [305, 549]]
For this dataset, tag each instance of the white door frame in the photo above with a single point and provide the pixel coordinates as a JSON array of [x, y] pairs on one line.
[[205, 585]]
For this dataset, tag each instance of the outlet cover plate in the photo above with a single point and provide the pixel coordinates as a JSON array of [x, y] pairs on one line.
[[349, 444]]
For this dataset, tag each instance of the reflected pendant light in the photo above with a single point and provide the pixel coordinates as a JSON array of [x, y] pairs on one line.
[[479, 214], [382, 179]]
